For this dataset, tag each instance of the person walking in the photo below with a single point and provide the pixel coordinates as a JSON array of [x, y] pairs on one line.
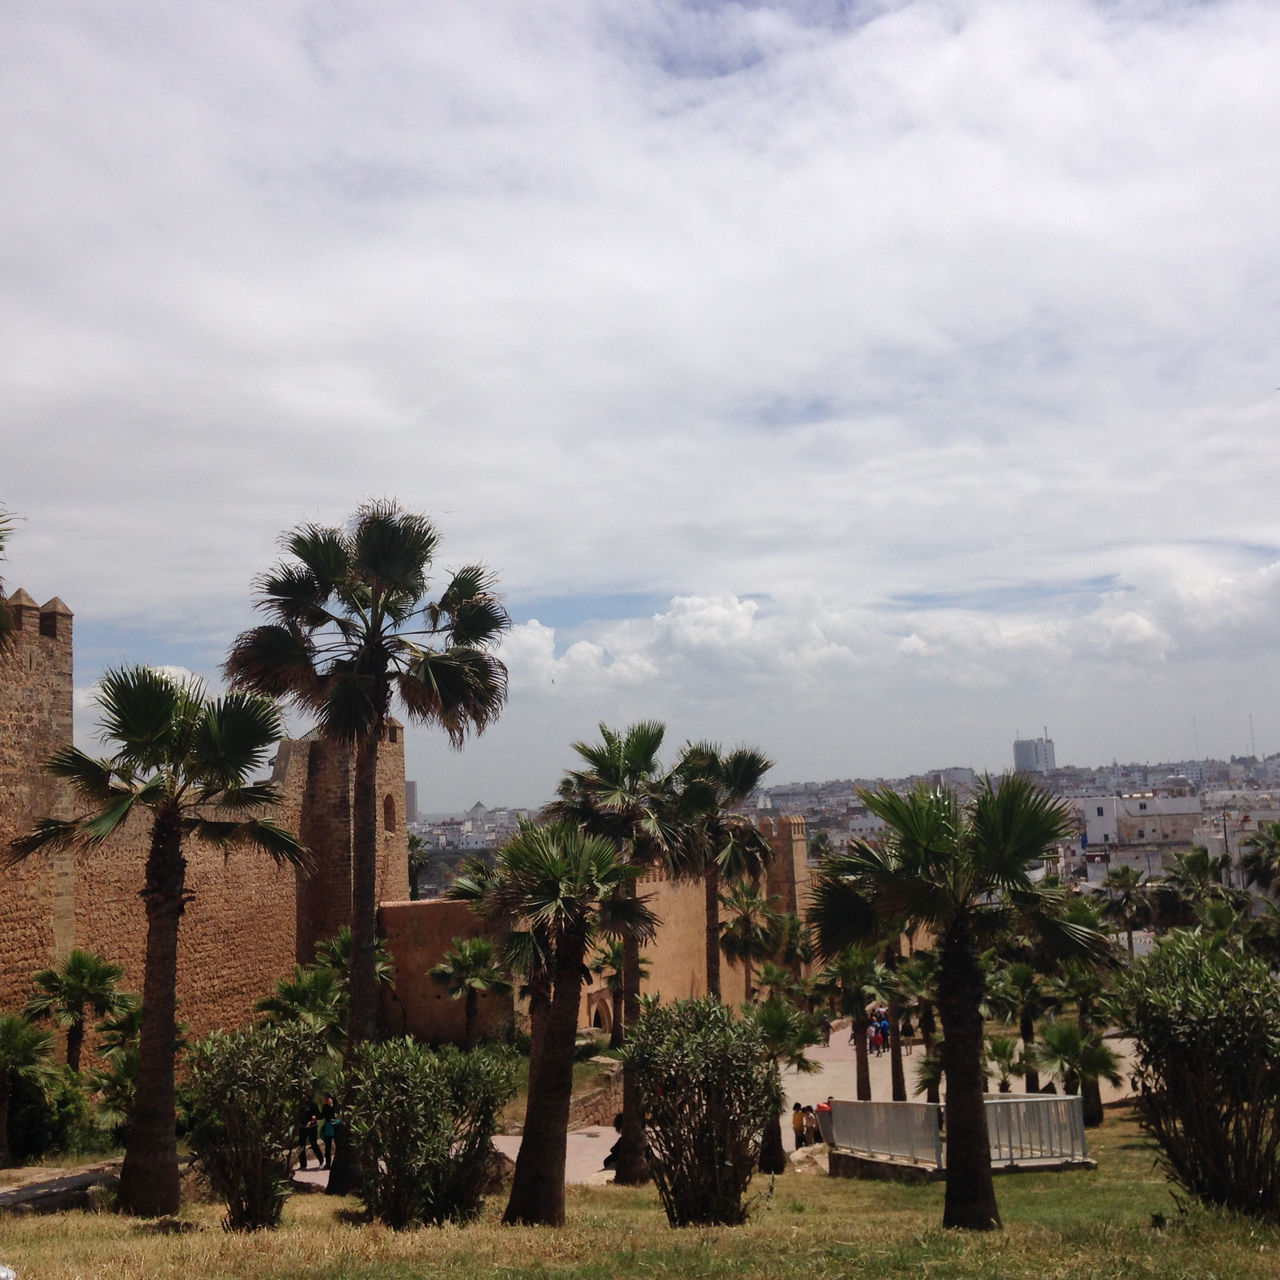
[[308, 1118], [328, 1126], [797, 1124]]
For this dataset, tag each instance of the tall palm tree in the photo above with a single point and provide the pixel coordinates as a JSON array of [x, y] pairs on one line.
[[607, 963], [469, 970], [351, 631], [568, 888], [961, 873], [83, 983], [1127, 902], [1078, 1057], [751, 932], [785, 1033], [624, 794], [184, 760], [862, 981], [715, 844], [26, 1053], [1019, 994]]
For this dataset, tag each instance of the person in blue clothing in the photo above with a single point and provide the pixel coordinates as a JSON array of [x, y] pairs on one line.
[[328, 1124]]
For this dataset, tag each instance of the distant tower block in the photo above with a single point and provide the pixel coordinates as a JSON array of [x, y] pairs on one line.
[[410, 801], [1033, 755]]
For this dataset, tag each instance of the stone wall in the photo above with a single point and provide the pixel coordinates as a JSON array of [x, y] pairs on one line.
[[248, 920]]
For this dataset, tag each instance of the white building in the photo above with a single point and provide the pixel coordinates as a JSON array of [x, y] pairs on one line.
[[1033, 755]]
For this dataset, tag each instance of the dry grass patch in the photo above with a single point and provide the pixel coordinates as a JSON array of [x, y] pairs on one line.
[[1096, 1225]]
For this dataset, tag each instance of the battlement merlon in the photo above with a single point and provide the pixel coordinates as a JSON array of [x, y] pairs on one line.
[[51, 619]]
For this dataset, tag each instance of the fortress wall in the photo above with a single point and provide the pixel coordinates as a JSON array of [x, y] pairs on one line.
[[417, 934], [35, 721]]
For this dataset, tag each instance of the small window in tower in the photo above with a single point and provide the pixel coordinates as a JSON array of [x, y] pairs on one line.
[[389, 813]]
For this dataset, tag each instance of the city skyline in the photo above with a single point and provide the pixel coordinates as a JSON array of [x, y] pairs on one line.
[[862, 381]]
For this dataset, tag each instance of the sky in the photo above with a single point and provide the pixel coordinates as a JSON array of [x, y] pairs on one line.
[[869, 382]]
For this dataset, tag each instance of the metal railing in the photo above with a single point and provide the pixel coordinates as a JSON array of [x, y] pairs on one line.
[[1035, 1126], [1021, 1129], [902, 1131]]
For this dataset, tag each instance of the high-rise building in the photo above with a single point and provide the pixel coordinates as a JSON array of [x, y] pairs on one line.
[[1033, 755], [410, 801]]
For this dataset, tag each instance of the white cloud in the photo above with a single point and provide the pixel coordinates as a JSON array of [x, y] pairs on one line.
[[920, 356]]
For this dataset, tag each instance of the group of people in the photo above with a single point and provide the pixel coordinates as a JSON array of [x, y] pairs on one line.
[[804, 1123], [317, 1123], [879, 1031]]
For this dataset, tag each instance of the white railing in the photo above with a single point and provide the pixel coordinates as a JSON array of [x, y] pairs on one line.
[[904, 1131], [1036, 1126], [1021, 1129]]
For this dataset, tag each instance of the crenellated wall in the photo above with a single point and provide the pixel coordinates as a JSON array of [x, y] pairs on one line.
[[248, 920]]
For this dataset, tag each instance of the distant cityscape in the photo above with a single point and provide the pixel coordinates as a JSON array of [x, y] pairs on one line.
[[1129, 814]]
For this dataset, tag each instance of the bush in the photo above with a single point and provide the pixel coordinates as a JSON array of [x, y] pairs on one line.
[[242, 1093], [1206, 1019], [51, 1115], [423, 1121], [708, 1090]]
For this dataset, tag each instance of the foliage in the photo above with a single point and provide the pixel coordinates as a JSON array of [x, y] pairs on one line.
[[350, 632], [469, 970], [1078, 1058], [785, 1033], [51, 1114], [243, 1091], [423, 1121], [25, 1053], [183, 762], [1004, 1055], [708, 1088], [84, 982], [1205, 1016]]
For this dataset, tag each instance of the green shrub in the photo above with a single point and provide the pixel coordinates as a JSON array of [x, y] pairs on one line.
[[50, 1115], [708, 1089], [1206, 1019], [242, 1094], [423, 1121]]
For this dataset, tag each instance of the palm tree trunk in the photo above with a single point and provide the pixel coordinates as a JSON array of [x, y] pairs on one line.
[[149, 1175], [631, 1169], [537, 1186], [1027, 1032], [470, 1008], [362, 1016], [539, 992], [75, 1042], [897, 1075], [860, 1024], [619, 1021], [711, 892], [927, 1028], [970, 1196]]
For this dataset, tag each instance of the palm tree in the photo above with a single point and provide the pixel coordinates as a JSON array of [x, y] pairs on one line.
[[1003, 1052], [350, 632], [1075, 1057], [83, 983], [961, 873], [1018, 993], [751, 932], [624, 794], [469, 970], [863, 981], [25, 1054], [1260, 857], [786, 1033], [608, 963], [568, 888], [715, 844], [315, 996], [1126, 900], [917, 981], [185, 760], [419, 858]]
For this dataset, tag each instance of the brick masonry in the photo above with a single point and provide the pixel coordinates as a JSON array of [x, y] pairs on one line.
[[248, 920]]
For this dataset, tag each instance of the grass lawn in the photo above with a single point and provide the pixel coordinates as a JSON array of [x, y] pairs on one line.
[[1096, 1225]]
